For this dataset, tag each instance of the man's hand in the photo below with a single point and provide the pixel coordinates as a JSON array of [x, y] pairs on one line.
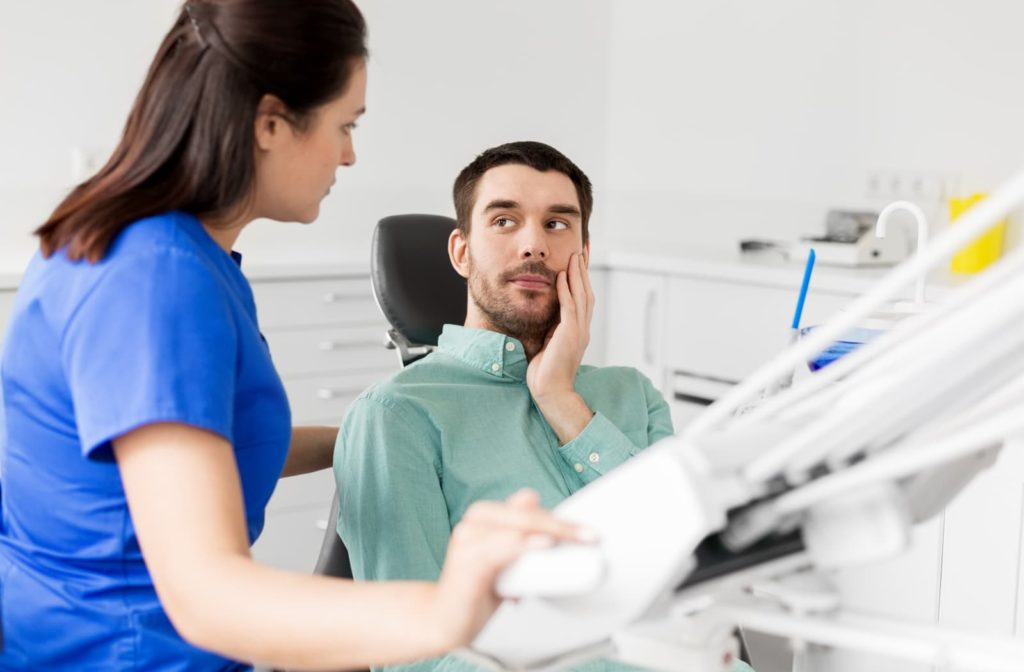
[[552, 372]]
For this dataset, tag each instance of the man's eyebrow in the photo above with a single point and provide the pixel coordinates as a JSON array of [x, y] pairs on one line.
[[563, 209], [501, 204]]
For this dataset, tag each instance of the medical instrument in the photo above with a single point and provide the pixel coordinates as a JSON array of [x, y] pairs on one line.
[[849, 240]]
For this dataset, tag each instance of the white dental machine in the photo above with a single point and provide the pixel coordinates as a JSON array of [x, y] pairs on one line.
[[734, 522]]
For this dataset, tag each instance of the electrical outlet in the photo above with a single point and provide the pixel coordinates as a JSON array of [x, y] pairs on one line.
[[86, 162], [918, 187]]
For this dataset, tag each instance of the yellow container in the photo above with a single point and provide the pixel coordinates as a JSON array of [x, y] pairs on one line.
[[984, 249]]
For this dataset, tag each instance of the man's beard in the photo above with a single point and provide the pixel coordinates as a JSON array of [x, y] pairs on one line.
[[529, 326]]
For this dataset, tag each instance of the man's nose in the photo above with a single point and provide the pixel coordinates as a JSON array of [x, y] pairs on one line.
[[533, 243]]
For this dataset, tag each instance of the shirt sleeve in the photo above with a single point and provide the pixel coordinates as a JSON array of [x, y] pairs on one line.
[[602, 446], [392, 514], [154, 341], [392, 517]]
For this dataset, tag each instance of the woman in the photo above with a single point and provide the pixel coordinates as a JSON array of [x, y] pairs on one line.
[[146, 425]]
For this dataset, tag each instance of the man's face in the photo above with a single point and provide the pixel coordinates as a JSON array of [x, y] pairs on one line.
[[525, 225]]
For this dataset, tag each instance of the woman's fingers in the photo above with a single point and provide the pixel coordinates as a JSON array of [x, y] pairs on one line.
[[522, 515]]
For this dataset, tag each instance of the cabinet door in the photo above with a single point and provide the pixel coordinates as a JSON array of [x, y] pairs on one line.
[[981, 577], [597, 350], [725, 329], [635, 322]]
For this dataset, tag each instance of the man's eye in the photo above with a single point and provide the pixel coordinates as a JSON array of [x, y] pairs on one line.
[[503, 222], [556, 224]]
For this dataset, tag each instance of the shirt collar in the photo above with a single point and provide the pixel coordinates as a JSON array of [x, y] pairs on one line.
[[495, 354]]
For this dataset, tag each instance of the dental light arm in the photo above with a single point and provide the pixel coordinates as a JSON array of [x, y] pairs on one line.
[[701, 531]]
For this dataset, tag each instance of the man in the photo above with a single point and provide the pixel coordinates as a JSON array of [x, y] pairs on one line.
[[504, 403]]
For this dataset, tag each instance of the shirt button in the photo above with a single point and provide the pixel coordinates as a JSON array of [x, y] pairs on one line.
[[495, 367], [510, 346], [594, 458], [578, 468]]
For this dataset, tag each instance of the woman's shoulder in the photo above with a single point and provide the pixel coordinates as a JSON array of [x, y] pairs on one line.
[[169, 233]]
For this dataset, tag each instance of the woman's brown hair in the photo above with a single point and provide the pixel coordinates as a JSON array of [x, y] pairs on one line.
[[188, 142]]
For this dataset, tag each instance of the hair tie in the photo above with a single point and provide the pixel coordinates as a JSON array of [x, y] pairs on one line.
[[195, 24]]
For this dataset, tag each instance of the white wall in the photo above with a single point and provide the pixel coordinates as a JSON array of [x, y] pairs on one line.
[[736, 118], [447, 79], [68, 74], [699, 122]]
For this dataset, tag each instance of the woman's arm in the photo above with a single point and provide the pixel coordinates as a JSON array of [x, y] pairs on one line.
[[311, 449], [186, 504]]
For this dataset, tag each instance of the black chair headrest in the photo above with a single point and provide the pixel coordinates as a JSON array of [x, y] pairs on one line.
[[414, 282]]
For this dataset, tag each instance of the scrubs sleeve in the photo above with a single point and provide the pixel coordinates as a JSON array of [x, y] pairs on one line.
[[153, 342], [602, 446]]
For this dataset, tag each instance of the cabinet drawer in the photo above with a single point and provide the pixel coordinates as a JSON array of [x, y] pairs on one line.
[[307, 490], [315, 302], [323, 399], [291, 540], [339, 348]]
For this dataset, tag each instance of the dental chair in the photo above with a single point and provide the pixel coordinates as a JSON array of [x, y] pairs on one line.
[[418, 292]]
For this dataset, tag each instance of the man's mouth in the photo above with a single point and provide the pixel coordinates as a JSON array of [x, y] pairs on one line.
[[530, 281]]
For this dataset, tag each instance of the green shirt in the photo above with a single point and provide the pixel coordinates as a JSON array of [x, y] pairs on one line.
[[459, 426]]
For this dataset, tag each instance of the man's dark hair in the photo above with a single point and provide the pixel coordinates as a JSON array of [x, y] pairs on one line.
[[188, 143], [536, 155]]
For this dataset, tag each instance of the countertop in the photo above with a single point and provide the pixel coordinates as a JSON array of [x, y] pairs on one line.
[[766, 267], [259, 272]]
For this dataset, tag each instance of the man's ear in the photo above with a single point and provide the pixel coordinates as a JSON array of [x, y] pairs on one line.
[[270, 121], [458, 252]]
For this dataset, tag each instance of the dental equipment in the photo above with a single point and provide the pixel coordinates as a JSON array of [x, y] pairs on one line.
[[735, 521]]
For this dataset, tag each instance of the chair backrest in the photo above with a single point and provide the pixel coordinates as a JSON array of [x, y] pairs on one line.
[[419, 292], [414, 283]]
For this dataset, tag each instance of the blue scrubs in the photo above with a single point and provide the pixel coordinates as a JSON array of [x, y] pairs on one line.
[[163, 329]]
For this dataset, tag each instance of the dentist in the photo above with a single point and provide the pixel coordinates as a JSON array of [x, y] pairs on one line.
[[146, 426]]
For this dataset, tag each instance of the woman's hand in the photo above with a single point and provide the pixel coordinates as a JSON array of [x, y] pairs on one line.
[[490, 536]]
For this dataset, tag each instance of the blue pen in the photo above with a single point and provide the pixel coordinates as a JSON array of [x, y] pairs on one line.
[[803, 291], [785, 381]]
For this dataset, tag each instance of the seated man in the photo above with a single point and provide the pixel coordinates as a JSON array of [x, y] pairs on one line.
[[504, 403]]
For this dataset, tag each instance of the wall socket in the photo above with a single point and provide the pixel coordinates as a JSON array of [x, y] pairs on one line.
[[904, 185]]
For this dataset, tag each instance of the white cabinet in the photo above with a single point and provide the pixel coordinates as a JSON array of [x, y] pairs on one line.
[[326, 336], [727, 329], [635, 320], [697, 333], [596, 351]]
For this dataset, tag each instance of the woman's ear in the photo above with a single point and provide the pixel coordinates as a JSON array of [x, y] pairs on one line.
[[270, 121], [458, 252]]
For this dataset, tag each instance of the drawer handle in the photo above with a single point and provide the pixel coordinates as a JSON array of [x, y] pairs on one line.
[[328, 393], [327, 346], [321, 524], [650, 313], [335, 297]]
